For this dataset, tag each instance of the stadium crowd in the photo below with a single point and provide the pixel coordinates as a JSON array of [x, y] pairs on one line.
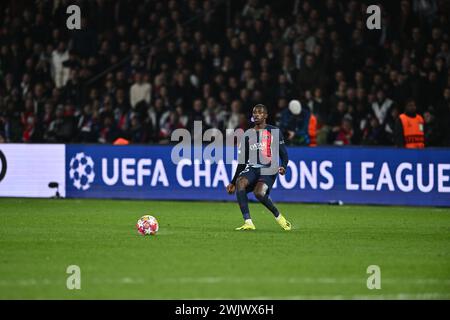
[[139, 69]]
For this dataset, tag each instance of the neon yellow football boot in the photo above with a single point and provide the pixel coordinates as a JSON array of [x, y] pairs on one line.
[[286, 225], [246, 226]]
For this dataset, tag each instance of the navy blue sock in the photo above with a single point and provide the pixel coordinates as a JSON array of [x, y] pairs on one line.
[[267, 202], [243, 203]]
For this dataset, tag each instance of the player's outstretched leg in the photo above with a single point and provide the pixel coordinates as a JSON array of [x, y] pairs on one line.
[[241, 194], [263, 197]]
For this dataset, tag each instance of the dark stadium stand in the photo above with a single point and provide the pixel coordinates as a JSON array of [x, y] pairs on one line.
[[140, 69]]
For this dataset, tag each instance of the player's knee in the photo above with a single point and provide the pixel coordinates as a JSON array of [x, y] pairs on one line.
[[241, 184], [260, 194]]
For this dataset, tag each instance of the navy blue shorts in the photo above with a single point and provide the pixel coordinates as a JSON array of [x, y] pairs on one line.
[[253, 175]]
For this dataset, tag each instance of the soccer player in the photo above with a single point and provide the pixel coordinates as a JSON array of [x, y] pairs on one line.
[[254, 172]]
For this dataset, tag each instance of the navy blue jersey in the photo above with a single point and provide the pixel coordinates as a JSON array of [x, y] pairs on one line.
[[257, 147]]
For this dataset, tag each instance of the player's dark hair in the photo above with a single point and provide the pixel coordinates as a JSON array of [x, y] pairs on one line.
[[259, 105]]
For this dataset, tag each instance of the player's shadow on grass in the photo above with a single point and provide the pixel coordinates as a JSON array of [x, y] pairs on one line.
[[231, 229]]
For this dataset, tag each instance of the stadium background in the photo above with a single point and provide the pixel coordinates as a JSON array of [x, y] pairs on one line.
[[141, 69]]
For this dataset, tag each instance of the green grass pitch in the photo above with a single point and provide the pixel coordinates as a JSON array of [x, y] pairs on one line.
[[198, 255]]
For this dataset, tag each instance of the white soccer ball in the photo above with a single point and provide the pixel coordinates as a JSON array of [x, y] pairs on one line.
[[147, 225]]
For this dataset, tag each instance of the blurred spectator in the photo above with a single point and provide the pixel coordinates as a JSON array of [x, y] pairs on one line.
[[171, 121], [390, 125], [88, 125], [214, 115], [234, 119], [434, 135], [310, 75], [443, 116], [108, 130], [197, 115], [344, 133], [335, 121], [145, 76], [137, 132], [140, 91], [60, 74], [381, 106], [374, 133], [295, 124]]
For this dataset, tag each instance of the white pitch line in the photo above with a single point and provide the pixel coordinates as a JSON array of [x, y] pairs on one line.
[[301, 280], [39, 282], [398, 296], [221, 280]]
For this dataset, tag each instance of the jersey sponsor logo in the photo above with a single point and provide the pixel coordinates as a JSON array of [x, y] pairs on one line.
[[258, 146]]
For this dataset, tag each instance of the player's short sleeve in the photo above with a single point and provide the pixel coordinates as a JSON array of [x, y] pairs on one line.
[[283, 151], [280, 137]]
